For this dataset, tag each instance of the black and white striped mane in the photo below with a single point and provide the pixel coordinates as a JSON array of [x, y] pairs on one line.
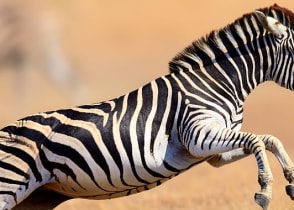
[[189, 55]]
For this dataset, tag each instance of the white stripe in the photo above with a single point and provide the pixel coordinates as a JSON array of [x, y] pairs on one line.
[[154, 160], [135, 141], [128, 175]]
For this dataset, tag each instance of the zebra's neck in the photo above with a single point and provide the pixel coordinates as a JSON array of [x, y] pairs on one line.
[[236, 58], [238, 53]]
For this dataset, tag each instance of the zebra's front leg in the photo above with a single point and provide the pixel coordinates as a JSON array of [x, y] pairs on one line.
[[274, 145], [213, 139]]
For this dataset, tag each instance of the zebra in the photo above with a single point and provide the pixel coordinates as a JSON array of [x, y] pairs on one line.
[[137, 141]]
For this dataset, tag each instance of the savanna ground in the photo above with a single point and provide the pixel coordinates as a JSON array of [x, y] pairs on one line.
[[119, 46]]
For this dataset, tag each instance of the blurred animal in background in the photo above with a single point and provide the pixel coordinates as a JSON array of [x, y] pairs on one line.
[[30, 43]]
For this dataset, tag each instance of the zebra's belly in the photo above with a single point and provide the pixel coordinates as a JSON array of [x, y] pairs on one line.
[[129, 180], [94, 192], [103, 187]]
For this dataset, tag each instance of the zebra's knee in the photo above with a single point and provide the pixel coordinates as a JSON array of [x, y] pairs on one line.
[[255, 144], [271, 143]]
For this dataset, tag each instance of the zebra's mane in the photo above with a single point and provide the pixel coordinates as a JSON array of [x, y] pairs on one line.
[[189, 56]]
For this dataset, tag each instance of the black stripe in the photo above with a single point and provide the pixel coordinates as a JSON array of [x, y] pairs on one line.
[[24, 157], [109, 141], [14, 182], [160, 109], [50, 121], [125, 132], [212, 140], [29, 133], [204, 140], [50, 166], [14, 169], [142, 118], [170, 167], [13, 194], [104, 106]]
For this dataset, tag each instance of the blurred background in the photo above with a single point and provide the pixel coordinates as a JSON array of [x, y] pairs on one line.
[[60, 53]]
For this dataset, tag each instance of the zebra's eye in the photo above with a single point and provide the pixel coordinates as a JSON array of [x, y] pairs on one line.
[[281, 36]]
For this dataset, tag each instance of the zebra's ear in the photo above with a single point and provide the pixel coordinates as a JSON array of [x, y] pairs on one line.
[[271, 24]]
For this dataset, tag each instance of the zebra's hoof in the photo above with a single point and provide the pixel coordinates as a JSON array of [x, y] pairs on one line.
[[262, 199], [290, 190]]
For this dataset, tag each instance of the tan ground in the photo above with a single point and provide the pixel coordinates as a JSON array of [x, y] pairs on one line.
[[118, 46]]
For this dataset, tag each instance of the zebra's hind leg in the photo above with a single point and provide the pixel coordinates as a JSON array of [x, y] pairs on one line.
[[274, 145], [15, 189], [10, 193], [20, 172]]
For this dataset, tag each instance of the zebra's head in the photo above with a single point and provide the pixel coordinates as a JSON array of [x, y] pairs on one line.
[[280, 26]]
